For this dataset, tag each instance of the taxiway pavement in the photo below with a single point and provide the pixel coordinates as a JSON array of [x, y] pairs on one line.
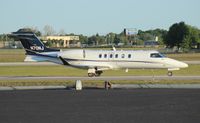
[[108, 78], [101, 106]]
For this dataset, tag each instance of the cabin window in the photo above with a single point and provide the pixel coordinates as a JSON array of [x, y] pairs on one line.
[[100, 55], [111, 55], [116, 55], [123, 55], [156, 55], [129, 55], [105, 55]]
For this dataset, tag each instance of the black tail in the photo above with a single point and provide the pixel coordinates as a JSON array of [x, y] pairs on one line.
[[31, 43]]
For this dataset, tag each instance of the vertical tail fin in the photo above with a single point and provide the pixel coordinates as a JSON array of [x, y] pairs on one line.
[[31, 43]]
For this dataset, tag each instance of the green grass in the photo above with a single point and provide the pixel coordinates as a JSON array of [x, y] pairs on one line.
[[12, 55], [40, 71], [185, 56], [68, 71]]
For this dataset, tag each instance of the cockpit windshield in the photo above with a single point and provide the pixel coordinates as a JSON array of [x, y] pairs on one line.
[[156, 55]]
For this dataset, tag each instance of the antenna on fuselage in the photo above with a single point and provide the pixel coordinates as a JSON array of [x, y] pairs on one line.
[[113, 48]]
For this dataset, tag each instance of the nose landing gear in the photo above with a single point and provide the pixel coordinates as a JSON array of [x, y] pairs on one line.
[[169, 73]]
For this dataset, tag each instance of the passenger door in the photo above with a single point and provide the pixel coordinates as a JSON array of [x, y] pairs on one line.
[[112, 59]]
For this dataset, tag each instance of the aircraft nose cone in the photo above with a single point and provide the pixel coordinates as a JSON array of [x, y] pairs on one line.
[[183, 65]]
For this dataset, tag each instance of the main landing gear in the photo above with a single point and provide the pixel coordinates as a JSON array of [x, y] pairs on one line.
[[94, 72]]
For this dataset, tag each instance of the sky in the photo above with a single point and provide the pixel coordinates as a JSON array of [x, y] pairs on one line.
[[89, 17]]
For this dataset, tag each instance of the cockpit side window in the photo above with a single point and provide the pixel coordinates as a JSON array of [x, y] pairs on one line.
[[156, 55]]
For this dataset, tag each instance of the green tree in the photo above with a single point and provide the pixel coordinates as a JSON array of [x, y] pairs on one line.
[[183, 36], [151, 34], [116, 40], [145, 36], [177, 35], [123, 38], [192, 39], [97, 39], [92, 40], [83, 39], [160, 33], [110, 38]]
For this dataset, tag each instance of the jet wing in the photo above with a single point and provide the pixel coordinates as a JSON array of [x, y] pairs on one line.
[[99, 67], [64, 61]]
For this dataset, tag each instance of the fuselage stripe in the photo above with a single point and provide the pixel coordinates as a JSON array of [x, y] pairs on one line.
[[83, 60]]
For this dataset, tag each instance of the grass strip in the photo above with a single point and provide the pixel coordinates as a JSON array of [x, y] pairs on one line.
[[192, 70], [90, 83]]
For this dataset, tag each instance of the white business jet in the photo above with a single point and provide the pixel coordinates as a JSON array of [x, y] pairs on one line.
[[96, 61]]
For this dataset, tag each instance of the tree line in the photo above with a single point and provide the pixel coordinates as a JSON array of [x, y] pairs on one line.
[[183, 36], [180, 35]]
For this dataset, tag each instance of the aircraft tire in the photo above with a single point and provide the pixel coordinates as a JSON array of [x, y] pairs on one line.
[[91, 74], [98, 73], [170, 73]]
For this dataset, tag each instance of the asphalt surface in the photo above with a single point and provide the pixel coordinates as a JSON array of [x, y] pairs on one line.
[[101, 106], [100, 78], [114, 86]]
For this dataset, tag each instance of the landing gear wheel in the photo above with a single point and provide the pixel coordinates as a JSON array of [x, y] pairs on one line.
[[170, 73], [98, 73], [91, 74]]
